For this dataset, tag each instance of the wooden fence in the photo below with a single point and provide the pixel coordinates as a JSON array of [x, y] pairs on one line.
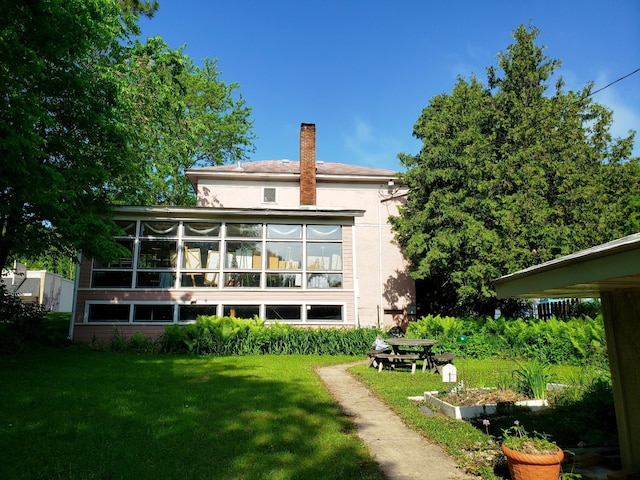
[[559, 309]]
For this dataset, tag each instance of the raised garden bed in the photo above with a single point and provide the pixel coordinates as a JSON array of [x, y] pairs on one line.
[[471, 403]]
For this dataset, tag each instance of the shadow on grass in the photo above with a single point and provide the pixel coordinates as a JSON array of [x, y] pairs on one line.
[[77, 414]]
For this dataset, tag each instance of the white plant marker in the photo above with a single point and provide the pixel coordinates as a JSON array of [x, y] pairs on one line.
[[449, 373]]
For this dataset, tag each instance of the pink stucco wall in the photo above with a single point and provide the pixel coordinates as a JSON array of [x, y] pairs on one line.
[[381, 281]]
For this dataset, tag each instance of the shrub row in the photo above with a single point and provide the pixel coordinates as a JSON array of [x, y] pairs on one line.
[[571, 342], [233, 336]]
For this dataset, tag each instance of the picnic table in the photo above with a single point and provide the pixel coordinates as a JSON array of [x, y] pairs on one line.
[[409, 351]]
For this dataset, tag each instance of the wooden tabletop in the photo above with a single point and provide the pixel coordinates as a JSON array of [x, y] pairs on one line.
[[411, 342]]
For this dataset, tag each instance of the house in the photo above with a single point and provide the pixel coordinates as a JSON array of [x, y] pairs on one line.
[[303, 242], [39, 286], [610, 271]]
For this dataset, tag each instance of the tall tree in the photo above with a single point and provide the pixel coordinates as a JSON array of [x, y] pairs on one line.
[[508, 176], [62, 138], [91, 117], [186, 116]]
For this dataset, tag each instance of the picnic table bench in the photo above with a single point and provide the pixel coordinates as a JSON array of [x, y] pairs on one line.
[[396, 359], [441, 359]]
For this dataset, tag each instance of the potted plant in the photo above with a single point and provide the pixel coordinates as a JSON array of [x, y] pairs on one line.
[[531, 456]]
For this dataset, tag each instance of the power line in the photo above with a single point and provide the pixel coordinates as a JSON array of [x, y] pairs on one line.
[[615, 81]]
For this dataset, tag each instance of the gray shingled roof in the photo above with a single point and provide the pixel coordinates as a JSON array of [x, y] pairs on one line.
[[28, 286], [293, 167]]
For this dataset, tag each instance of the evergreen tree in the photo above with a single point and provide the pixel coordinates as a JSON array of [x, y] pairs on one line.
[[508, 176]]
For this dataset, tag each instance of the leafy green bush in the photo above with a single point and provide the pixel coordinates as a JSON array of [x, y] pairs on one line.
[[233, 336], [585, 404], [573, 341], [21, 324], [141, 343]]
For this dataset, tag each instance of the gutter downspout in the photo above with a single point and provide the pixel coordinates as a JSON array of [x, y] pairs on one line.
[[380, 309], [75, 299], [356, 280]]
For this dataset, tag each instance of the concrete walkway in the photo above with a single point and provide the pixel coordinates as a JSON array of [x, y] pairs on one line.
[[401, 452]]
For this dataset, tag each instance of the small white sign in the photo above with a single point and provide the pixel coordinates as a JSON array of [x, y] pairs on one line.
[[449, 373]]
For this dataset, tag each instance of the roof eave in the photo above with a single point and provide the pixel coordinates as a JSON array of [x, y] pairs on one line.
[[585, 274], [217, 212]]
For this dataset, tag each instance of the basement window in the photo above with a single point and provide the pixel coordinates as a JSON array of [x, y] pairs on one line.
[[268, 195]]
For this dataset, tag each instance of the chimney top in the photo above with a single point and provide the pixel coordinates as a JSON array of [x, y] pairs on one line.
[[307, 164]]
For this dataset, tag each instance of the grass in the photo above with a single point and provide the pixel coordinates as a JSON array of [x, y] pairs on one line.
[[71, 413]]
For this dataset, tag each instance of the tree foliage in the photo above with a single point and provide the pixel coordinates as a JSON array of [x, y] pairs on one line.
[[186, 116], [92, 117], [62, 138], [510, 174]]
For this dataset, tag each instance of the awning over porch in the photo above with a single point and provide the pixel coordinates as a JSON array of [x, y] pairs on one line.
[[586, 274], [610, 271]]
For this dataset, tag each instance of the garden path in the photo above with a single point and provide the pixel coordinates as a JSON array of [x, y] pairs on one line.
[[400, 451]]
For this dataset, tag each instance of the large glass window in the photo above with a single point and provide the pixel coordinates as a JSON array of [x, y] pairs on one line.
[[128, 227], [241, 279], [153, 313], [224, 255], [241, 311], [324, 313], [201, 229], [284, 280], [324, 232], [158, 229], [284, 313], [157, 258], [284, 255], [244, 230], [243, 255], [324, 256], [112, 279], [324, 280], [157, 254], [284, 231], [124, 261], [201, 263], [189, 313], [156, 279], [108, 313]]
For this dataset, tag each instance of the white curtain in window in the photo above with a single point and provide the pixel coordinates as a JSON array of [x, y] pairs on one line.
[[319, 231]]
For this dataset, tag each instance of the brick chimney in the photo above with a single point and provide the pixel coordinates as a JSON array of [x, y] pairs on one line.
[[307, 164]]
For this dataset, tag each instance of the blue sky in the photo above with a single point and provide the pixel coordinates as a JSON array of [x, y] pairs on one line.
[[363, 70]]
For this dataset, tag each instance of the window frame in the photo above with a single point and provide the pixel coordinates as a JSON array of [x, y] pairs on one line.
[[269, 242], [266, 199]]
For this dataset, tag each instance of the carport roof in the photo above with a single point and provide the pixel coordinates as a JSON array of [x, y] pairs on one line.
[[585, 274]]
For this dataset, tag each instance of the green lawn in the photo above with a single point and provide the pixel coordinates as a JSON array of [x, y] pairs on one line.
[[72, 413]]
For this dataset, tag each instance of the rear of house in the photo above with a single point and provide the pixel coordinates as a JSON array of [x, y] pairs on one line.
[[303, 242]]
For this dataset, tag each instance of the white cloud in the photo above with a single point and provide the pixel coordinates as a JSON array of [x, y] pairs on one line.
[[369, 147]]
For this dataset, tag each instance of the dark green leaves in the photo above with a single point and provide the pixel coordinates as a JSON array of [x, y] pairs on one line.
[[509, 176]]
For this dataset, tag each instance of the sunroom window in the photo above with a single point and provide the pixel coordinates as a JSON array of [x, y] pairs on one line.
[[166, 255]]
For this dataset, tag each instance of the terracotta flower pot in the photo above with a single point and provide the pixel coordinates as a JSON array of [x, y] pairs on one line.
[[525, 466]]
